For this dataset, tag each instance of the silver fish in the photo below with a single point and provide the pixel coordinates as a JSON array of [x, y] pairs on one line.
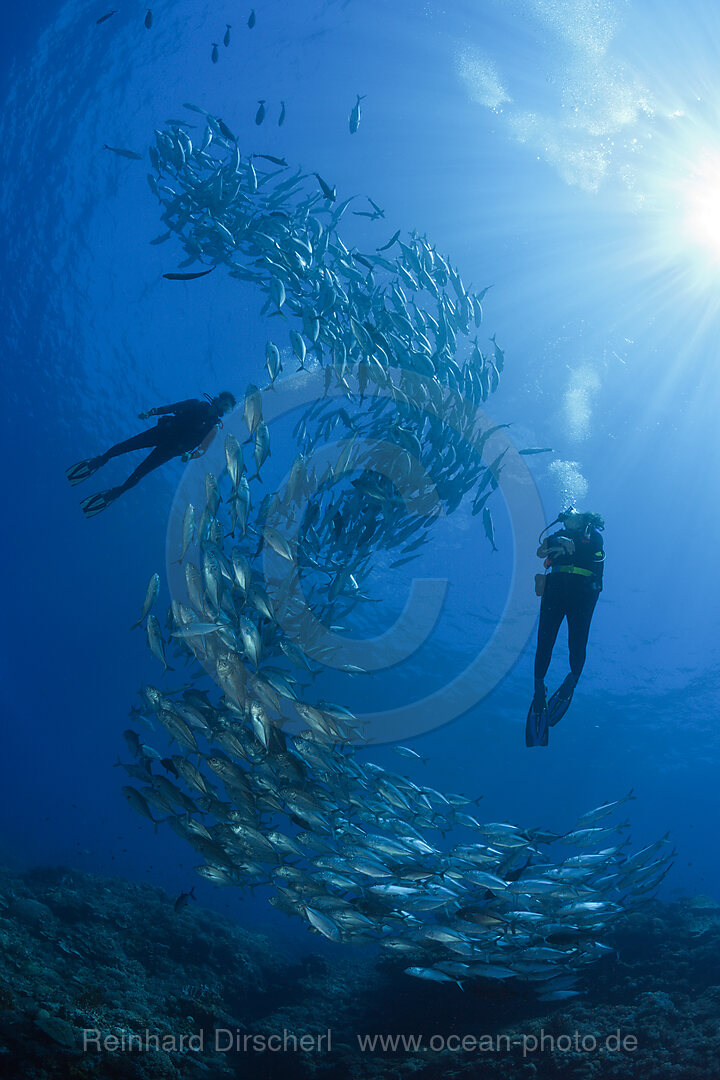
[[354, 121], [138, 803], [130, 154], [262, 447], [488, 526], [272, 361], [155, 641], [252, 413], [151, 594], [298, 346], [234, 460]]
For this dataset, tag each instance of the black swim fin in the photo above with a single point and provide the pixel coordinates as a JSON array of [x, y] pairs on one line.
[[560, 701], [82, 470], [95, 504], [537, 726]]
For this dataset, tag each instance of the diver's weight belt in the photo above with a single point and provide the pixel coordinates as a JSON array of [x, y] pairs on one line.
[[572, 570]]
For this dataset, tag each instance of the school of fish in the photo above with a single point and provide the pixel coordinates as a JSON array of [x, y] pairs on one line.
[[267, 781]]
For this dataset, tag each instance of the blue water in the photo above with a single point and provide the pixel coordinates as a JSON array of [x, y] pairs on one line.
[[550, 150]]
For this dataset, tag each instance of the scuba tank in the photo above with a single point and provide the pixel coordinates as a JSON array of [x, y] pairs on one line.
[[211, 401]]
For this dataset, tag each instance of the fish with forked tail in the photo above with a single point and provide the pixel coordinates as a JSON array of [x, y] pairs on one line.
[[354, 121], [151, 594], [188, 277], [131, 154], [184, 899], [489, 528], [330, 193], [393, 240]]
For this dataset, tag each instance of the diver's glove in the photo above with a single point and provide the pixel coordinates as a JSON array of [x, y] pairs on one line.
[[186, 456], [146, 415]]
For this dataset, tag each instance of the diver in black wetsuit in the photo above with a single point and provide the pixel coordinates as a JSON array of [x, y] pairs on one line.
[[575, 557], [185, 428]]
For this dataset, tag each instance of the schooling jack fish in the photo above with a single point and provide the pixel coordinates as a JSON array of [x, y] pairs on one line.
[[359, 852]]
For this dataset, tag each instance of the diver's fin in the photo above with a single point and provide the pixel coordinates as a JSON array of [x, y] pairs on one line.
[[560, 701], [82, 470], [536, 727], [95, 504]]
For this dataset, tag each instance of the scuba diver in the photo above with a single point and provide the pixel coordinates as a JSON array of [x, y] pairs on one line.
[[575, 558], [184, 429]]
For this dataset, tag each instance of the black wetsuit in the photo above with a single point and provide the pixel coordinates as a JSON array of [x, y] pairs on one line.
[[572, 596], [182, 427]]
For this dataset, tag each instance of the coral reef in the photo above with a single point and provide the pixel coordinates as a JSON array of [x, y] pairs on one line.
[[168, 994]]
